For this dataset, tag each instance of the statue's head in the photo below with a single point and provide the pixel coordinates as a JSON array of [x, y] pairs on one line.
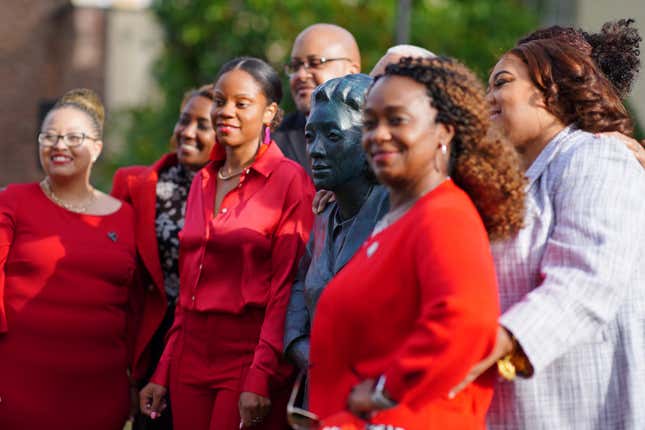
[[333, 131]]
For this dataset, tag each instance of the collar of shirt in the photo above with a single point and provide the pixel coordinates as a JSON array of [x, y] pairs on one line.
[[267, 158], [548, 153]]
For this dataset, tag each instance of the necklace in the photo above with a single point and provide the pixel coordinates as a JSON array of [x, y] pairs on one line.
[[392, 216], [231, 175], [46, 186]]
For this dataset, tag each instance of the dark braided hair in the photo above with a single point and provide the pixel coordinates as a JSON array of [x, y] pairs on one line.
[[265, 76], [484, 166]]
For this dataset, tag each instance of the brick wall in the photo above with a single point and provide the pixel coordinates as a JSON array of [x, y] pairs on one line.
[[46, 48]]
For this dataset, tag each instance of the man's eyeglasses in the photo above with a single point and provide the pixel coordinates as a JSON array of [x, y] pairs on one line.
[[299, 418], [311, 63], [71, 140]]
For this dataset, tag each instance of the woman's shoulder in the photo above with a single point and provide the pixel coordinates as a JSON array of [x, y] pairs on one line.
[[15, 191], [446, 210], [589, 154], [289, 171], [127, 172], [447, 198]]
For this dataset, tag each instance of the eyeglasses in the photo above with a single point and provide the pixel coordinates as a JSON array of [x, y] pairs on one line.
[[71, 140], [299, 418], [311, 63]]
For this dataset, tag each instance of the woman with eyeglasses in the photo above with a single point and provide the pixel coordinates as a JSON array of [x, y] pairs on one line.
[[417, 307], [158, 195], [248, 218], [67, 264]]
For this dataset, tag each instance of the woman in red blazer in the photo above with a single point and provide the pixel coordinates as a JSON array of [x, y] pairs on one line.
[[158, 194], [248, 218], [417, 305]]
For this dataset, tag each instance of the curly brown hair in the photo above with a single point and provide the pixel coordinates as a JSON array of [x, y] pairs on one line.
[[615, 49], [574, 89], [486, 167]]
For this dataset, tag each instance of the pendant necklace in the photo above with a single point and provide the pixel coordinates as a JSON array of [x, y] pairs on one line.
[[45, 185]]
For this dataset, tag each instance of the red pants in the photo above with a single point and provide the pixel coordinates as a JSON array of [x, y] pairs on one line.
[[214, 353]]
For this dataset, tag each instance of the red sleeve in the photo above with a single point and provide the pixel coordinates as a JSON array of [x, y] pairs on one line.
[[162, 372], [288, 246], [459, 308], [136, 299], [7, 229], [121, 182]]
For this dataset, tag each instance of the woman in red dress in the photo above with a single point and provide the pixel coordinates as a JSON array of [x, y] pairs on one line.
[[248, 218], [67, 262], [158, 195], [417, 306]]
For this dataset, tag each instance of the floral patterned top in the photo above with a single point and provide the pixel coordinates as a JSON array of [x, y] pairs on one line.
[[172, 190]]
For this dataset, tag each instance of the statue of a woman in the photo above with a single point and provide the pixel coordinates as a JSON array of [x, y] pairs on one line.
[[333, 136]]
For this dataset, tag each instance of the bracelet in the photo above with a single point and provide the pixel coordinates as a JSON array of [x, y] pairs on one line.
[[515, 363], [378, 396]]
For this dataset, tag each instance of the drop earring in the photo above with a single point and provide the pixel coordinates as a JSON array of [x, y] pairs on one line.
[[444, 149], [267, 135]]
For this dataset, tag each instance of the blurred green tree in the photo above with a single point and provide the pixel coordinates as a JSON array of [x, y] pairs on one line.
[[200, 35]]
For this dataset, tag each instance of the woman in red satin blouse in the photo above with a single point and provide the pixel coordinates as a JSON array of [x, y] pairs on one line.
[[158, 195], [67, 265], [247, 222], [417, 305]]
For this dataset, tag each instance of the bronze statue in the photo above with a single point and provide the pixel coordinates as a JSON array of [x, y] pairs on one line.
[[338, 164]]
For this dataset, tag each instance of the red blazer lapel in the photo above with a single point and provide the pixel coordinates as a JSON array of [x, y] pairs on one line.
[[144, 198]]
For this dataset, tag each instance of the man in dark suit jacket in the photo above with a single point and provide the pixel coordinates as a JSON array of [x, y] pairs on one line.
[[320, 52]]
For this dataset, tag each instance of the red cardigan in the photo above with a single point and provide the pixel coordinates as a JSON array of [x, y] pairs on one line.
[[418, 304], [245, 256], [137, 185]]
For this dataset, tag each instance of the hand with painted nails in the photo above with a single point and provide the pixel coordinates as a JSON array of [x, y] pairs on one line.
[[152, 400], [638, 148], [321, 200]]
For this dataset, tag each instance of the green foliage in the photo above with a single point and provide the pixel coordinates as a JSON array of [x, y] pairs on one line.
[[200, 35]]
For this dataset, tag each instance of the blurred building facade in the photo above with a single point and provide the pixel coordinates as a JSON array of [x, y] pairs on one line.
[[50, 46]]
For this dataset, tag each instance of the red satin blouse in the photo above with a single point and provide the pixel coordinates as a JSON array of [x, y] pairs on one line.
[[246, 255]]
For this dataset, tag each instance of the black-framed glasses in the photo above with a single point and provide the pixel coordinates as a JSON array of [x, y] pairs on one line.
[[297, 417], [311, 63], [71, 140]]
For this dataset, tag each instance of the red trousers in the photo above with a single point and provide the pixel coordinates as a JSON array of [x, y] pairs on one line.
[[214, 353]]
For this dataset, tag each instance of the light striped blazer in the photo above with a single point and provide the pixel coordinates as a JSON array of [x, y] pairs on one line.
[[572, 290]]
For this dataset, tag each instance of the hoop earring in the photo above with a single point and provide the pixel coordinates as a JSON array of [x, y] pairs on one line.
[[267, 135]]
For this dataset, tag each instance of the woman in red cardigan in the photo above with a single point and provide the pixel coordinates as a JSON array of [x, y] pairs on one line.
[[417, 306], [158, 194], [247, 221], [67, 265]]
